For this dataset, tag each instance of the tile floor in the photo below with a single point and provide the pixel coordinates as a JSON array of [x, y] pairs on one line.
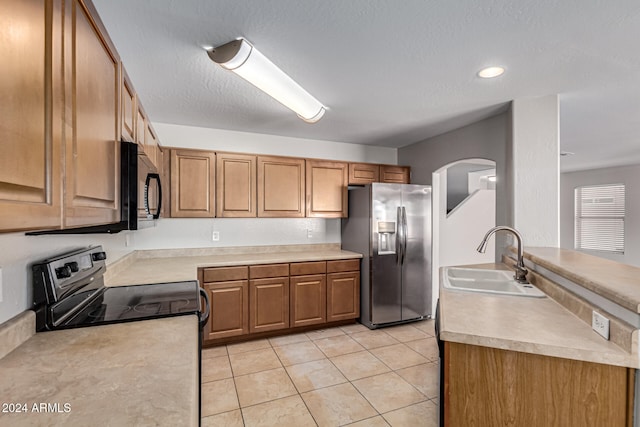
[[346, 375]]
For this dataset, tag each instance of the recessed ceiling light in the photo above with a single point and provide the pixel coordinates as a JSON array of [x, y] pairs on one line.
[[490, 72]]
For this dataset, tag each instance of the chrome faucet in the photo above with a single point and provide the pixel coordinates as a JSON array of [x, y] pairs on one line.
[[521, 271]]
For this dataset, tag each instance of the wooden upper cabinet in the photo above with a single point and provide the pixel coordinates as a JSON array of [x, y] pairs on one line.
[[395, 174], [327, 189], [164, 169], [363, 173], [192, 184], [151, 144], [92, 86], [141, 125], [127, 108], [281, 191], [235, 185], [30, 127]]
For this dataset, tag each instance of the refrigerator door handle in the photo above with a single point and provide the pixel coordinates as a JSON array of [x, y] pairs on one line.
[[399, 257], [405, 233]]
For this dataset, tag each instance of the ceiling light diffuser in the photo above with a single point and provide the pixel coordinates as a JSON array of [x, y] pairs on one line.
[[246, 61], [490, 72]]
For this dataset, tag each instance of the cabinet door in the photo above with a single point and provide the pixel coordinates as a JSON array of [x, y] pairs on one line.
[[92, 140], [281, 190], [363, 173], [141, 125], [30, 128], [269, 304], [486, 386], [395, 174], [235, 185], [327, 189], [192, 184], [229, 309], [343, 296], [151, 144], [164, 169], [128, 108], [308, 296]]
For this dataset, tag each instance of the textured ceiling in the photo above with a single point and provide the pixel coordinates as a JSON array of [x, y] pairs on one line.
[[392, 72]]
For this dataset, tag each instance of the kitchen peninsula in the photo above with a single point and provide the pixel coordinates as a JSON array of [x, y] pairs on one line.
[[536, 361]]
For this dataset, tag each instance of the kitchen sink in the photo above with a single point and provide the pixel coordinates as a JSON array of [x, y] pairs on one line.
[[488, 281]]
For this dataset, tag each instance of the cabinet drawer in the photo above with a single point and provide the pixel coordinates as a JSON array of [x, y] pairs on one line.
[[268, 270], [343, 265], [223, 274], [304, 268]]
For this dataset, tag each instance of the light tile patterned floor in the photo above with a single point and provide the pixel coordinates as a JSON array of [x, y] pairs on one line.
[[332, 377]]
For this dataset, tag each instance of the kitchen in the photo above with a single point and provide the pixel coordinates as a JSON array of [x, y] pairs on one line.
[[482, 134]]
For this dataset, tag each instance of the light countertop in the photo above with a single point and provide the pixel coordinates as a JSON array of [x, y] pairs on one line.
[[615, 281], [183, 265], [135, 373], [530, 325]]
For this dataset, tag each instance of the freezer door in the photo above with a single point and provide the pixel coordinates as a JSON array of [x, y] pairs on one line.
[[416, 268], [385, 292]]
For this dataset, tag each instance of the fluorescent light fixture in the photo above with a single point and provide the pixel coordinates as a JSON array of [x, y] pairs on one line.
[[246, 61], [490, 72], [492, 178]]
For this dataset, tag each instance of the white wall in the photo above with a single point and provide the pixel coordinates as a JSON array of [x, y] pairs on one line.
[[17, 251], [536, 170], [245, 142], [627, 175]]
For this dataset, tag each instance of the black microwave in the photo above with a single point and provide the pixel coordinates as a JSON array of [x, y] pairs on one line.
[[140, 195]]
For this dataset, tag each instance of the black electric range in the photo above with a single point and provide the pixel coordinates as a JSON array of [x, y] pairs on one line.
[[69, 292]]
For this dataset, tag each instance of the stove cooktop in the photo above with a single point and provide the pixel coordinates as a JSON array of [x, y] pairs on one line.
[[138, 302], [69, 292]]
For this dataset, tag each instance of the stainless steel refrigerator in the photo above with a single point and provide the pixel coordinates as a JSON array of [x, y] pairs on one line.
[[390, 225]]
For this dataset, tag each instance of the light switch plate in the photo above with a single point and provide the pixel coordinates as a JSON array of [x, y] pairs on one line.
[[600, 324]]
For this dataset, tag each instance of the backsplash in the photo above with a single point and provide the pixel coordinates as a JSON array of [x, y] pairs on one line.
[[17, 251]]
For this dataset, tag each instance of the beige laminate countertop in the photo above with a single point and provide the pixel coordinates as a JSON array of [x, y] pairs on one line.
[[136, 373], [530, 325], [615, 281], [185, 267]]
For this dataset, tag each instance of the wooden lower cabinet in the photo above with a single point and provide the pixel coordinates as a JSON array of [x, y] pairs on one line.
[[308, 297], [269, 304], [229, 309], [250, 300], [491, 387], [343, 295]]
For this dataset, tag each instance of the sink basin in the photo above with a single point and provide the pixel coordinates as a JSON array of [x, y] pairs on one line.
[[488, 281]]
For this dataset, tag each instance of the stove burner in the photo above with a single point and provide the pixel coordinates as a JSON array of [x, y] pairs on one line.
[[157, 307], [99, 312]]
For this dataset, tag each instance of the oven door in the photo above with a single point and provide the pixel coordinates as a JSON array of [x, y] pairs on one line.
[[149, 192]]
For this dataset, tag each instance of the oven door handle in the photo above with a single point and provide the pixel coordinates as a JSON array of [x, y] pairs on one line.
[[204, 317]]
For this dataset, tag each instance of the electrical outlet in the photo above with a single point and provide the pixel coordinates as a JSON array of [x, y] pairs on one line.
[[309, 233], [600, 324], [215, 236], [0, 285]]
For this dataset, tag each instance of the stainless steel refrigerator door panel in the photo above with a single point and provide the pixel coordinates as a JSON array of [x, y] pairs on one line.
[[386, 290], [416, 269], [386, 294]]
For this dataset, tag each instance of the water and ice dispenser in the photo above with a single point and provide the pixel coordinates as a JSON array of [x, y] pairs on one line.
[[386, 237]]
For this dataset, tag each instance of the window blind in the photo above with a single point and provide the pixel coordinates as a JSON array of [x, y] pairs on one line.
[[599, 218]]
